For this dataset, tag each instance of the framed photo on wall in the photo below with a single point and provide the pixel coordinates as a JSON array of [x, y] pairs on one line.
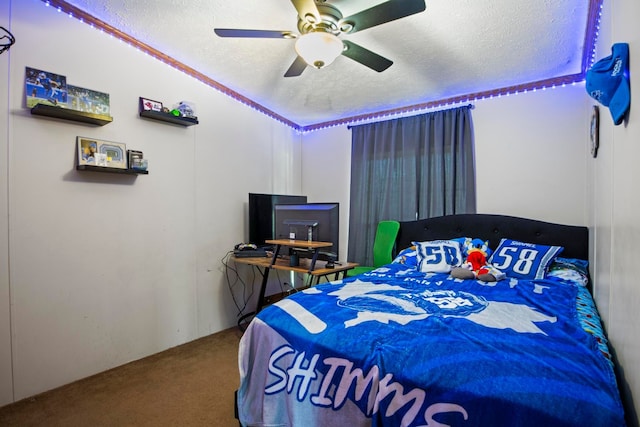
[[44, 87], [86, 151], [88, 100], [150, 105], [116, 154], [594, 131], [96, 152]]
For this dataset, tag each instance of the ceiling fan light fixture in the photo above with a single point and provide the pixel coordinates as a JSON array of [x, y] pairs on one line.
[[319, 48]]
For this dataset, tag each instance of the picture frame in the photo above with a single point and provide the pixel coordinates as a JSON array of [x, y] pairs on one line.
[[594, 131], [95, 152], [88, 100], [147, 104], [134, 155], [86, 150], [44, 87], [116, 153], [136, 160]]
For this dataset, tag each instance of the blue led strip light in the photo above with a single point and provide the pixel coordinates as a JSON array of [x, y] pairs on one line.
[[588, 57]]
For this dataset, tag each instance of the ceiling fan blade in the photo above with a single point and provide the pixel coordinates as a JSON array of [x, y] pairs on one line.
[[366, 57], [296, 68], [382, 13], [307, 8], [263, 34]]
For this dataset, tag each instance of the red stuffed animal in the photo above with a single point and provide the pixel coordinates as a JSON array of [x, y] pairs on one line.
[[475, 265]]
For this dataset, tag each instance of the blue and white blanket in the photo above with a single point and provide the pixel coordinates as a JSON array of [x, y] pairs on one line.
[[396, 347]]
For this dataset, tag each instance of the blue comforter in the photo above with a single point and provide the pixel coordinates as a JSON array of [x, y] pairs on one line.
[[396, 347]]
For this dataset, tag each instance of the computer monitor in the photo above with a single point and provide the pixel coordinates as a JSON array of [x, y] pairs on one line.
[[261, 214], [320, 221]]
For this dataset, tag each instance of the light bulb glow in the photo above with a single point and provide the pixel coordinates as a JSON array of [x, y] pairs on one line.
[[319, 49]]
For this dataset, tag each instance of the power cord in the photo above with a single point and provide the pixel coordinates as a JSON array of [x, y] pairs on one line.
[[291, 287], [233, 279], [229, 270]]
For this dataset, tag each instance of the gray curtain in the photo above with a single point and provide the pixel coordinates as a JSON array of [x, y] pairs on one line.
[[409, 168]]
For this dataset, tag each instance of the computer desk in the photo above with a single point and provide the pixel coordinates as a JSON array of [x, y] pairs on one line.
[[314, 269]]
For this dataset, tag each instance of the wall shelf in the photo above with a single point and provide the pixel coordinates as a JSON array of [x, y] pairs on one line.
[[104, 169], [169, 118], [73, 115]]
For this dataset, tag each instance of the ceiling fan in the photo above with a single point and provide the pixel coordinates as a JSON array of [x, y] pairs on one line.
[[320, 24]]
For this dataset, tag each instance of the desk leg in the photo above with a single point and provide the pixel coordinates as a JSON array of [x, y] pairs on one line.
[[314, 258], [336, 276], [276, 251], [263, 289]]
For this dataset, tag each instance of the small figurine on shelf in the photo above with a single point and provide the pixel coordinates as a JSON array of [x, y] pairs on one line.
[[185, 109]]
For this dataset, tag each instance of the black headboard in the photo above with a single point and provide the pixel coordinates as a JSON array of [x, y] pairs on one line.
[[574, 239]]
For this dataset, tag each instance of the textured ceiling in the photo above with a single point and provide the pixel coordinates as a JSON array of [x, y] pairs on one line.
[[454, 48]]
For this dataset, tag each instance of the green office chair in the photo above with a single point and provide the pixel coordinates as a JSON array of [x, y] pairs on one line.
[[383, 243]]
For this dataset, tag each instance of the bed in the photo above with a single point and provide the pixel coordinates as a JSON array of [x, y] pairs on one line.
[[409, 345]]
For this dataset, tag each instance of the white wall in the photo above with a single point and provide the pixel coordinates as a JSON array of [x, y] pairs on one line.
[[6, 379], [96, 269], [615, 207], [531, 152], [326, 173]]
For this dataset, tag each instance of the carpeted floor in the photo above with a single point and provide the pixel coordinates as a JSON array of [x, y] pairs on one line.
[[189, 385]]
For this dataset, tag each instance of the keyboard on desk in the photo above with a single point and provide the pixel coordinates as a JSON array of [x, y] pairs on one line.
[[250, 253]]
